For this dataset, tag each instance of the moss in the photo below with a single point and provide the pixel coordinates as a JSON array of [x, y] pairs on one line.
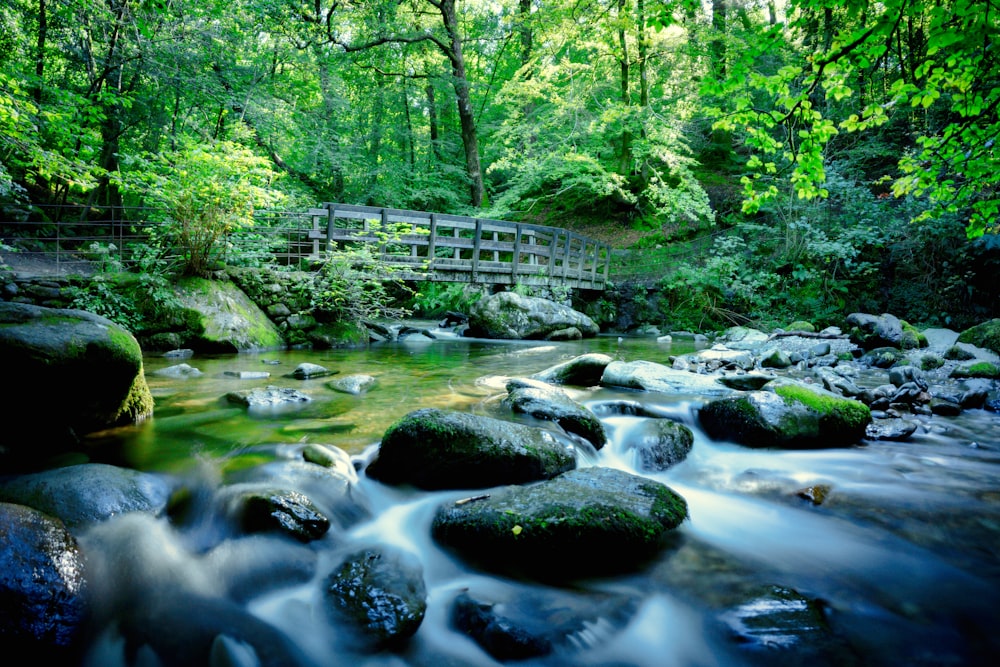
[[982, 369], [801, 325], [854, 414], [138, 403], [912, 338], [985, 335], [929, 362]]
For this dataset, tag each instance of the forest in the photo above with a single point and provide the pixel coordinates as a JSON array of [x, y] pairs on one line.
[[756, 161]]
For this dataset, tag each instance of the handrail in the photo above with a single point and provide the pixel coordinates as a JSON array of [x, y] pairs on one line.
[[455, 248]]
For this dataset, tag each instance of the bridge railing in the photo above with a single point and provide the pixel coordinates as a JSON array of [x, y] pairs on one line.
[[453, 248]]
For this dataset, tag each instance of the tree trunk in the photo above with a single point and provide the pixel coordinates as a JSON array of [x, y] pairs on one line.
[[625, 157], [466, 115]]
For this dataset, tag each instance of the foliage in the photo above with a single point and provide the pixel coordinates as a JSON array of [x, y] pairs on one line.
[[207, 191], [352, 286], [861, 67], [436, 299]]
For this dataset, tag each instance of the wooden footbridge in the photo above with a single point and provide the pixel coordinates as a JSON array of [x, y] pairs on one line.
[[454, 248]]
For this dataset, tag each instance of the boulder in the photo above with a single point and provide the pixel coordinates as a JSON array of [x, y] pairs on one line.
[[985, 335], [440, 449], [786, 414], [222, 319], [268, 397], [43, 606], [651, 376], [380, 593], [564, 527], [282, 510], [548, 403], [581, 371], [76, 373], [871, 331], [88, 493], [508, 315]]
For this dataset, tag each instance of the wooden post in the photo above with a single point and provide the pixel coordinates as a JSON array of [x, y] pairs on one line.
[[517, 254], [607, 263], [476, 244], [430, 245], [569, 240], [384, 226], [593, 263], [331, 223]]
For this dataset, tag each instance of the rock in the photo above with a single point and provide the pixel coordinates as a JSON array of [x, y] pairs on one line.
[[42, 587], [945, 408], [548, 403], [563, 527], [776, 358], [779, 625], [720, 356], [882, 357], [518, 624], [76, 373], [659, 444], [569, 333], [177, 371], [222, 318], [508, 315], [379, 592], [289, 512], [900, 375], [982, 369], [582, 371], [892, 428], [307, 371], [786, 414], [269, 396], [438, 449], [873, 331], [742, 338], [985, 335], [88, 493], [745, 381], [650, 376], [248, 375], [960, 352], [355, 384]]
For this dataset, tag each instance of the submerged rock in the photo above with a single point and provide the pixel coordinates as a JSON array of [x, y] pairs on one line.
[[290, 512], [270, 396], [355, 385], [438, 449], [307, 371], [651, 376], [563, 527], [659, 444], [518, 624], [380, 592]]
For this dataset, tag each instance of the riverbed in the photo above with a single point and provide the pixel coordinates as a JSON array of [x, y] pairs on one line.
[[884, 553]]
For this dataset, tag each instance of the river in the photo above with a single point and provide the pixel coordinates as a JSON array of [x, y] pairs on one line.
[[885, 553]]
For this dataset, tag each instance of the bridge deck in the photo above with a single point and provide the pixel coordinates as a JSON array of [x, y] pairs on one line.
[[451, 248]]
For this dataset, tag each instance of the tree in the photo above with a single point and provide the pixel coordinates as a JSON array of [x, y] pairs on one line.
[[926, 67]]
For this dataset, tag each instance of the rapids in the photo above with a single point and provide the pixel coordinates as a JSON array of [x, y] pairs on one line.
[[885, 553]]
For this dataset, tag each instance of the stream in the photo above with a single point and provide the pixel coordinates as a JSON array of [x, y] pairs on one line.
[[885, 553]]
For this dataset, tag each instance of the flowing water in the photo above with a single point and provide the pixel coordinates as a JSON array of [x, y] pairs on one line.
[[896, 564]]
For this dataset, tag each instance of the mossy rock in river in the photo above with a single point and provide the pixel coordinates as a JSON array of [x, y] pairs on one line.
[[985, 335], [789, 415], [564, 527], [440, 449], [73, 372]]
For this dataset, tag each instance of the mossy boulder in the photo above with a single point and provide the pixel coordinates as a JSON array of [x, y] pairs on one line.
[[872, 331], [563, 527], [508, 315], [76, 372], [581, 371], [786, 414], [982, 369], [222, 319], [912, 338], [986, 335], [801, 325], [442, 449]]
